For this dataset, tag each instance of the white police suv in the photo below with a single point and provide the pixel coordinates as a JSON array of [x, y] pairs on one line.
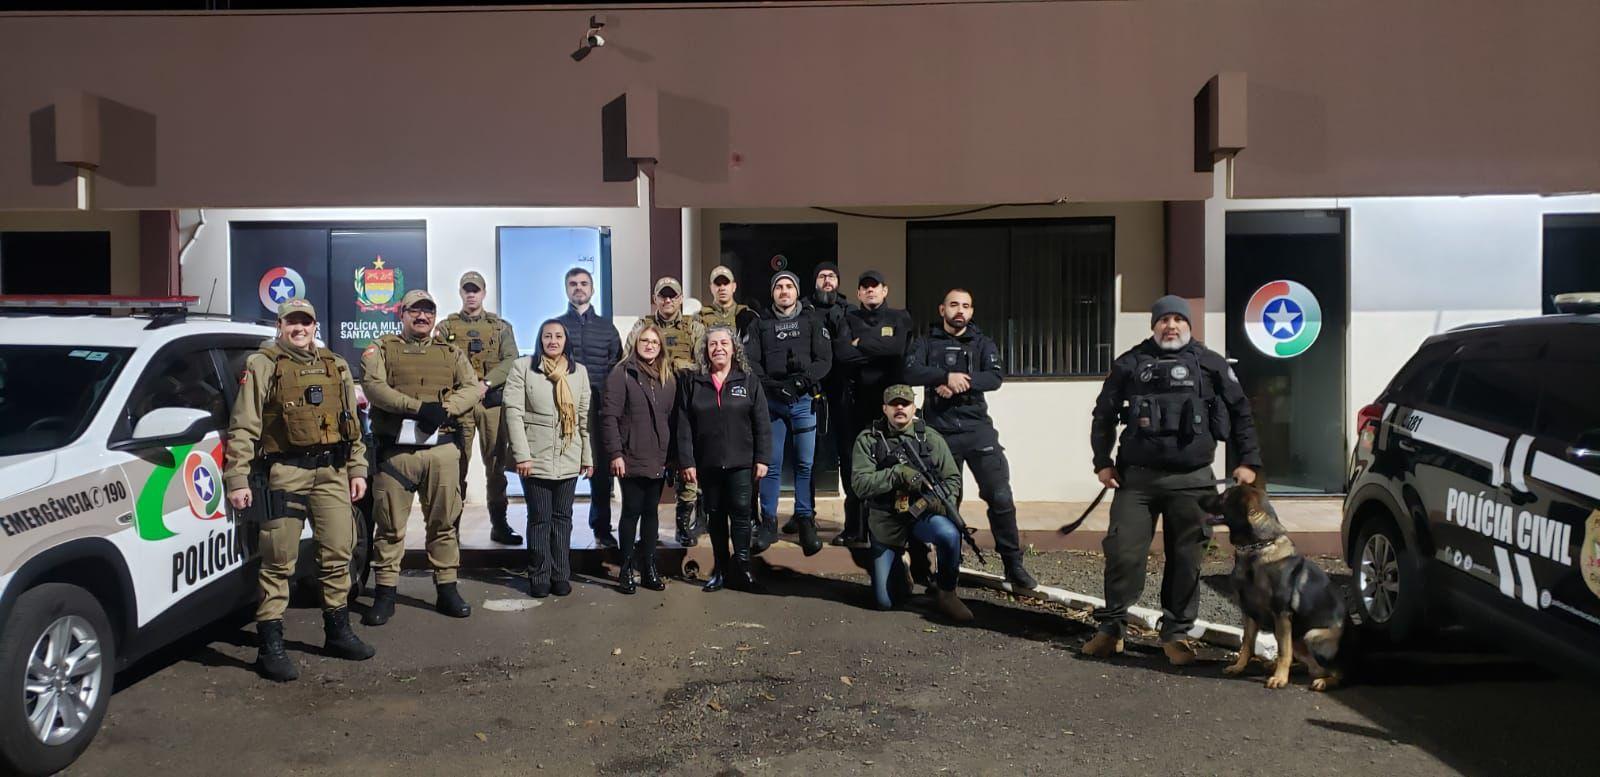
[[114, 537], [1474, 488]]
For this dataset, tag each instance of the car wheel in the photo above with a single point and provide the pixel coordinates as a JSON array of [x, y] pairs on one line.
[[56, 668], [1388, 582]]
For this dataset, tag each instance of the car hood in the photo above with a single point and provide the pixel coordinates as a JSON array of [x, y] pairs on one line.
[[22, 473]]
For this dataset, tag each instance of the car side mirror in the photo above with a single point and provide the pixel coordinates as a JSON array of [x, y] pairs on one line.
[[167, 426]]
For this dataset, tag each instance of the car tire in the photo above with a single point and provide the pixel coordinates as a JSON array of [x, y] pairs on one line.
[[1388, 583], [68, 629]]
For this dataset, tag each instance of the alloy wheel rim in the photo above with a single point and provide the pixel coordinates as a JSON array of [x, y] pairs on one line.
[[1379, 578], [64, 680]]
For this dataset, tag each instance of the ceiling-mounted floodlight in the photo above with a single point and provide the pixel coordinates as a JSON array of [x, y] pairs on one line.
[[591, 39]]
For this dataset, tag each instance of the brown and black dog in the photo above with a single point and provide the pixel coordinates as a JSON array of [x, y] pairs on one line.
[[1280, 589]]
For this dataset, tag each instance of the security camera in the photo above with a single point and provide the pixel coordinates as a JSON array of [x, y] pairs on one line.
[[592, 39]]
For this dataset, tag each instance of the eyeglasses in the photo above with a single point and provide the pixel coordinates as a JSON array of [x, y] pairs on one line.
[[422, 311]]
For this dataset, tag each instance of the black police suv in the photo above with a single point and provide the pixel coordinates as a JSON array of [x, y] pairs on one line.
[[1474, 489]]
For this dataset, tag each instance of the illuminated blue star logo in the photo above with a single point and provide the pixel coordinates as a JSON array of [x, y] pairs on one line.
[[1283, 318], [204, 486], [282, 290]]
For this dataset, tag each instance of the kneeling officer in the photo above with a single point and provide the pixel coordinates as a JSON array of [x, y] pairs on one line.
[[295, 423]]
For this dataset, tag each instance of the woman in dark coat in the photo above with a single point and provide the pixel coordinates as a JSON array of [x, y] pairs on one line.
[[635, 428], [723, 432]]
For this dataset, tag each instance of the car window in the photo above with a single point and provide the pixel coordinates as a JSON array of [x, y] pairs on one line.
[[1417, 377], [180, 377], [49, 394], [233, 368], [1499, 391]]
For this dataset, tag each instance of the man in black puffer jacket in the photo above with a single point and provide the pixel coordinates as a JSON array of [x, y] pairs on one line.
[[594, 343], [956, 364]]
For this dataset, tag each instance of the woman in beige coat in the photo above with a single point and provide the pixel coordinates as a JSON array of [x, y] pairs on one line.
[[547, 418]]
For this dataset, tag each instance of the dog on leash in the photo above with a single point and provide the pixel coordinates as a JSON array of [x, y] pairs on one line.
[[1279, 589]]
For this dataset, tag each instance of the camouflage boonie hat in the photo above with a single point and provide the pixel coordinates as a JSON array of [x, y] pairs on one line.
[[414, 296], [899, 392], [296, 305]]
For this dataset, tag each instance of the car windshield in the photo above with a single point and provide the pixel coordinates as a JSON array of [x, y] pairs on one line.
[[48, 394]]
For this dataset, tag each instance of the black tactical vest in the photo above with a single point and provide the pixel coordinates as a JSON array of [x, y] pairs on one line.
[[785, 345]]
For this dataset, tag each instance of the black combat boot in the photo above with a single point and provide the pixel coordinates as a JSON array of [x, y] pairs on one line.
[[1017, 575], [382, 609], [562, 587], [766, 533], [686, 533], [741, 574], [272, 662], [790, 526], [450, 602], [809, 541], [719, 564], [625, 576], [502, 533], [604, 538], [340, 640], [648, 576]]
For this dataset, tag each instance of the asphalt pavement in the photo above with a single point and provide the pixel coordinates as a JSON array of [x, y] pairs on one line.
[[807, 679]]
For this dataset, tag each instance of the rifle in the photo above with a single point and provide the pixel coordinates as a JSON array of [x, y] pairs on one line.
[[911, 457]]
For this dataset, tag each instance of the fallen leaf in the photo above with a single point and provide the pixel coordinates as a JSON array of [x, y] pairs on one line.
[[931, 630], [743, 648], [482, 737], [847, 681], [714, 705], [795, 652], [768, 696]]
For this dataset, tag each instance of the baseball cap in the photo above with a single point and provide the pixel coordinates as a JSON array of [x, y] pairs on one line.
[[722, 271], [669, 283], [296, 305], [871, 275], [414, 296], [899, 392], [473, 277]]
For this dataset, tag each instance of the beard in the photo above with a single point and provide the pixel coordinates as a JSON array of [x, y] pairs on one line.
[[825, 297], [1175, 345]]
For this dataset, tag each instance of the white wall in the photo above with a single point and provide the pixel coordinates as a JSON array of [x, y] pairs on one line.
[[459, 239], [1417, 266], [1044, 424]]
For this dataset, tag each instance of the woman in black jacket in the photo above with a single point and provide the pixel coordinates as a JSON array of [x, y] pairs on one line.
[[634, 427], [723, 431]]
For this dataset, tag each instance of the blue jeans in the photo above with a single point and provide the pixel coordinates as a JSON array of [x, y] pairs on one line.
[[797, 421], [887, 566]]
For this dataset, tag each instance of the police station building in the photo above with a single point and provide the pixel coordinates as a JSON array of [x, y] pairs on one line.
[[1326, 204]]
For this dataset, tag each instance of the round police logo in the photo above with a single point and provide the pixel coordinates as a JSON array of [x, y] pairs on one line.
[[779, 262], [1282, 319], [1179, 372], [202, 480], [279, 285]]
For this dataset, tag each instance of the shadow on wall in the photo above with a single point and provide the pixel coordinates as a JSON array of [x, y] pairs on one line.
[[127, 138]]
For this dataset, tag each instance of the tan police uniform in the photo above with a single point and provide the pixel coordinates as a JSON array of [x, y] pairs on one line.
[[399, 374], [296, 412], [490, 347]]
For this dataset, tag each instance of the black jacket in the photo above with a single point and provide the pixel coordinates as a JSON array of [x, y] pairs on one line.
[[875, 349], [791, 356], [729, 431], [1173, 430], [931, 360], [832, 315], [594, 343], [635, 421]]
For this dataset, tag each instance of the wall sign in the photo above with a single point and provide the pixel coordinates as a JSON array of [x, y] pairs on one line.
[[1282, 319]]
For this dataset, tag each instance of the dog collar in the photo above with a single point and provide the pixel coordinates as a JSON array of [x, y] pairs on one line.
[[1260, 548]]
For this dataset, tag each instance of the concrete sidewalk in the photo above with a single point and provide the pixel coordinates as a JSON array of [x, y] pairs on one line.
[[1313, 523]]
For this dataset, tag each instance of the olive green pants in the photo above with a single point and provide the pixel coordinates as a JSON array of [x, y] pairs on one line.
[[333, 529], [493, 443], [435, 474]]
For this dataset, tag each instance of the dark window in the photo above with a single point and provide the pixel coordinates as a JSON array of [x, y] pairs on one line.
[[49, 394], [1571, 255], [1567, 409], [1043, 289], [181, 377], [1418, 376], [55, 262], [1497, 391]]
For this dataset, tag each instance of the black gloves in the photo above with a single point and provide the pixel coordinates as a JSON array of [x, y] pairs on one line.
[[796, 387], [906, 478], [431, 416]]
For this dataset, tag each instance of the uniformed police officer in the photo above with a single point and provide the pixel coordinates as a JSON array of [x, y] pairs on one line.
[[679, 335], [789, 349], [873, 354], [419, 389], [958, 364], [723, 310], [491, 348], [1177, 399], [295, 417]]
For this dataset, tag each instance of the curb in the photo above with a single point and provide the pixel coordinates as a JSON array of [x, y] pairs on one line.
[[1230, 637]]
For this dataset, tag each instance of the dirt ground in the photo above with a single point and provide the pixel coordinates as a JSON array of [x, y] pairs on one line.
[[806, 679]]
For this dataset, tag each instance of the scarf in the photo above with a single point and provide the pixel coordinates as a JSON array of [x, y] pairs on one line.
[[650, 370], [555, 370]]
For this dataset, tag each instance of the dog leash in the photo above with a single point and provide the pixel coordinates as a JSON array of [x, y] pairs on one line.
[[1072, 527]]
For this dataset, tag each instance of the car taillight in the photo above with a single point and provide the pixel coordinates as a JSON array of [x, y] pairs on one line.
[[1367, 419]]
